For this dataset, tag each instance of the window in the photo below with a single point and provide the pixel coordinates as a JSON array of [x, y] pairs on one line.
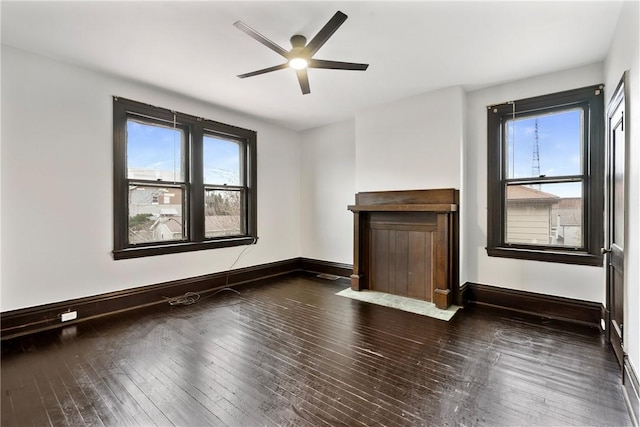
[[545, 177], [181, 183]]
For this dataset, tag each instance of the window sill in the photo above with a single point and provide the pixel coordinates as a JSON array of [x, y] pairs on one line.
[[580, 258], [144, 251]]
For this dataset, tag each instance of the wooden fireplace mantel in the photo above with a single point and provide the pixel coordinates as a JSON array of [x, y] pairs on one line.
[[406, 243], [433, 207]]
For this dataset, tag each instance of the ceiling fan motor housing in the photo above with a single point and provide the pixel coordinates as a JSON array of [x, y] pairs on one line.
[[298, 41]]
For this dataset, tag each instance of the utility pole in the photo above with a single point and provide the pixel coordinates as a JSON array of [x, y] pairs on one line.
[[535, 168]]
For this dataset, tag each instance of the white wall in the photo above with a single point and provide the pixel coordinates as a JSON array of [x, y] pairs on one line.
[[571, 281], [414, 143], [57, 223], [328, 186], [623, 55], [0, 180]]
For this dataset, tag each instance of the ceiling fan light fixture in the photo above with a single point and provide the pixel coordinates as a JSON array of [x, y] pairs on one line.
[[300, 56], [298, 63]]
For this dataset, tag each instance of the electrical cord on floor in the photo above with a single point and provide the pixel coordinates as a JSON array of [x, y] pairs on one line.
[[190, 298], [194, 297], [220, 290], [186, 299]]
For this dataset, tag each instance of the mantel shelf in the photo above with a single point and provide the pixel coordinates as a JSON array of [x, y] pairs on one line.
[[411, 207]]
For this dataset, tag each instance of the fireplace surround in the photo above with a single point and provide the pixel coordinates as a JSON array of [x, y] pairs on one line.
[[406, 243]]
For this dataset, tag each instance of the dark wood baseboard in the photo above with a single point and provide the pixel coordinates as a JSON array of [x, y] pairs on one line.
[[460, 297], [326, 267], [33, 319], [565, 309], [631, 390]]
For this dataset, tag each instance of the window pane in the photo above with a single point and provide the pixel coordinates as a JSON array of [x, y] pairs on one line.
[[221, 161], [223, 213], [545, 214], [544, 145], [154, 152], [155, 214]]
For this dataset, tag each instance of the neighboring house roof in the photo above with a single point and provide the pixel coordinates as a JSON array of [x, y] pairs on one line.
[[221, 222], [174, 223], [520, 192]]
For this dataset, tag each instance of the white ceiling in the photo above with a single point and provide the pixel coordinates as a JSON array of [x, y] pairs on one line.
[[412, 47]]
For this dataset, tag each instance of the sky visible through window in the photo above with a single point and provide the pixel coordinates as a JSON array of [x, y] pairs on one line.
[[159, 148], [221, 161], [559, 137]]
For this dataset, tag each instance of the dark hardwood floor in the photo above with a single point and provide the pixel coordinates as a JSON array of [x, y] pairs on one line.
[[290, 352]]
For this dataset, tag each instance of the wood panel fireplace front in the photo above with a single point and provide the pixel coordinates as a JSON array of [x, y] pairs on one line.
[[406, 243]]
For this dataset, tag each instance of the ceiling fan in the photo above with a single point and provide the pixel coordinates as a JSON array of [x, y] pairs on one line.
[[300, 57]]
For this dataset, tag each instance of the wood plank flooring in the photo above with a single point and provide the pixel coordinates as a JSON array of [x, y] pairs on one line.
[[290, 352]]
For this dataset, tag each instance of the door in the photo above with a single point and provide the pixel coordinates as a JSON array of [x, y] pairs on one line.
[[615, 184]]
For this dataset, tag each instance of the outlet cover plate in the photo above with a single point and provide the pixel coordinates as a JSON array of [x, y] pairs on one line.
[[70, 315]]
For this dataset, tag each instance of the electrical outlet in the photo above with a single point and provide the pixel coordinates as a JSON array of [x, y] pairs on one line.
[[69, 315]]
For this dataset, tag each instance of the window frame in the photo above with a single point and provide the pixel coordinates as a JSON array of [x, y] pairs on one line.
[[194, 128], [590, 100]]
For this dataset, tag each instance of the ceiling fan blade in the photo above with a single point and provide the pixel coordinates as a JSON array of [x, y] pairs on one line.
[[303, 78], [337, 65], [264, 70], [326, 32], [262, 39]]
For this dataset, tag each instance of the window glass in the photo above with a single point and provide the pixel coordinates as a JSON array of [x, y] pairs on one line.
[[544, 145], [154, 152], [223, 213], [545, 214], [221, 161], [155, 214]]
